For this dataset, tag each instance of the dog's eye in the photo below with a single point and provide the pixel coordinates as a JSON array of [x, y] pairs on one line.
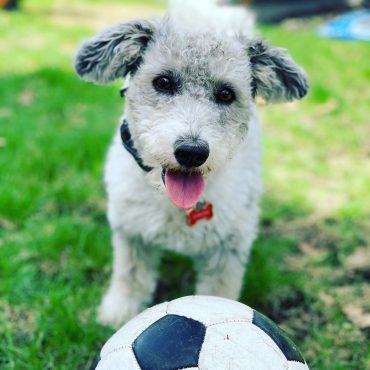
[[225, 96], [164, 84]]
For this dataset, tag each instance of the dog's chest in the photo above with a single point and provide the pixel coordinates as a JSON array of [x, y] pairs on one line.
[[158, 222]]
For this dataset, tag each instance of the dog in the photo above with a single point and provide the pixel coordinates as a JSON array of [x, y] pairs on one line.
[[190, 178]]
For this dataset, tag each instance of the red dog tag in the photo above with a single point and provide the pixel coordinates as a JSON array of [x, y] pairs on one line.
[[203, 211]]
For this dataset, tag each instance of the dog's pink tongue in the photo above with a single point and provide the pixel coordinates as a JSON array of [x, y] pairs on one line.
[[184, 189]]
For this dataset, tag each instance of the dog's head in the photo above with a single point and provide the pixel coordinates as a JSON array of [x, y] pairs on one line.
[[191, 94]]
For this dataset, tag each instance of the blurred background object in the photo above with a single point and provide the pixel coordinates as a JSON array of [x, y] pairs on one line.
[[354, 25], [9, 4], [272, 11]]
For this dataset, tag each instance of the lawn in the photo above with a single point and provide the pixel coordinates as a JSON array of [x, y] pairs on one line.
[[310, 267]]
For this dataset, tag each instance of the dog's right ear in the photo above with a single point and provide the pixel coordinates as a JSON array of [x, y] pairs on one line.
[[113, 52], [275, 75]]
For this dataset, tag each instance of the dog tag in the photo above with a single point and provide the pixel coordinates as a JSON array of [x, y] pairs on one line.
[[202, 211]]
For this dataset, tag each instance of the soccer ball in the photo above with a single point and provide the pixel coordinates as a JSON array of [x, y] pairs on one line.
[[200, 333]]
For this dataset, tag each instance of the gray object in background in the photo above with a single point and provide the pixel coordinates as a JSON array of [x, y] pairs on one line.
[[9, 4], [272, 11]]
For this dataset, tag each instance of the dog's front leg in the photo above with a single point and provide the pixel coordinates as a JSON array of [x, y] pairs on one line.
[[133, 281], [222, 274]]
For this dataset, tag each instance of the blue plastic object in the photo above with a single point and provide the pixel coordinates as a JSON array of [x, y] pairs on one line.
[[350, 26]]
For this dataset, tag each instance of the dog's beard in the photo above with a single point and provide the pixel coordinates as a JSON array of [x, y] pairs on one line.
[[154, 178]]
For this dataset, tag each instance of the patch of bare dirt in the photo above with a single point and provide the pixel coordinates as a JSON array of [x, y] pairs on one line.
[[359, 262], [26, 97], [6, 224], [17, 320]]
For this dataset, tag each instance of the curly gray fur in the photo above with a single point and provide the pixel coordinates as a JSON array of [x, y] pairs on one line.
[[113, 52], [276, 77]]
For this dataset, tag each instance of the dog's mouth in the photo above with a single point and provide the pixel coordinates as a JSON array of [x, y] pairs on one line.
[[184, 188]]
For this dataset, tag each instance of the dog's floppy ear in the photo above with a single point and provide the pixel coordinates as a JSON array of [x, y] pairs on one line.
[[275, 75], [113, 52]]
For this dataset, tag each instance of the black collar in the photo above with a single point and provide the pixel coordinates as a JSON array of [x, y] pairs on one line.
[[128, 143]]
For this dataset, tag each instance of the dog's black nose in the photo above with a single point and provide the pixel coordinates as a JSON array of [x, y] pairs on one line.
[[192, 155]]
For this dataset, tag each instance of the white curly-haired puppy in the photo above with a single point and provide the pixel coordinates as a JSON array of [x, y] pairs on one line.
[[190, 178]]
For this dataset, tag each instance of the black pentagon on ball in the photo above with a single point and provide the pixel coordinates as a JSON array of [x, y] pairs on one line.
[[173, 342], [281, 339]]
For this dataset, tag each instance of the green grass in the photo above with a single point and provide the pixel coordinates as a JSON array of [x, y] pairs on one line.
[[55, 254]]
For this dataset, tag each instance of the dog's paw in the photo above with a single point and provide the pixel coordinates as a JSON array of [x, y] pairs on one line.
[[116, 309]]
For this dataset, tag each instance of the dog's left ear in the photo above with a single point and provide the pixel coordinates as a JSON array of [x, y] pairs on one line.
[[275, 75], [113, 52]]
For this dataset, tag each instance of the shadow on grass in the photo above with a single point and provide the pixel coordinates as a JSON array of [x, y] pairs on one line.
[[266, 274]]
